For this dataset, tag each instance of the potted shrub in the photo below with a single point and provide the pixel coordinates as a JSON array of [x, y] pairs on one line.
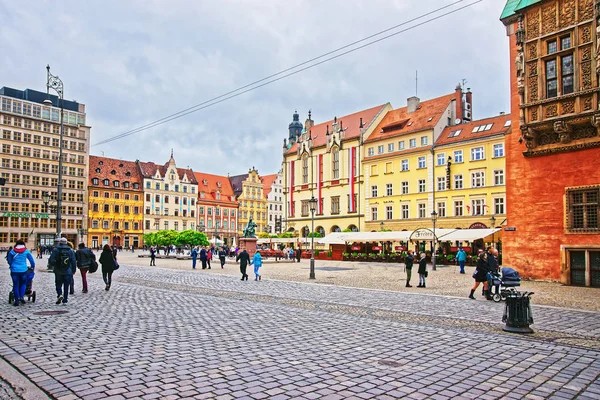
[[329, 253], [345, 256]]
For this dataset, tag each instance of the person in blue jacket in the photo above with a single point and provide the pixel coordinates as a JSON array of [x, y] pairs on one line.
[[257, 262], [194, 254], [461, 257], [17, 260]]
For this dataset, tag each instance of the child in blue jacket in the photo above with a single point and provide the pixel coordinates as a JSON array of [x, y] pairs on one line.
[[257, 262], [17, 260]]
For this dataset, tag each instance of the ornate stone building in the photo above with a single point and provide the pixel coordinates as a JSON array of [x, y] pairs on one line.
[[553, 179], [217, 208], [249, 191], [170, 195]]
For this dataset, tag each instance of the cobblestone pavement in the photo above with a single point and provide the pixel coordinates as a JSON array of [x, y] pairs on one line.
[[168, 333]]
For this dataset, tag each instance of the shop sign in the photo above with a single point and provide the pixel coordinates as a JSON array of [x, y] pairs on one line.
[[422, 234], [25, 215], [401, 248], [376, 248], [478, 225], [355, 248], [510, 229]]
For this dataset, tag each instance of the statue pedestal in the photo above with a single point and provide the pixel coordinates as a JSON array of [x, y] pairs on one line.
[[249, 244]]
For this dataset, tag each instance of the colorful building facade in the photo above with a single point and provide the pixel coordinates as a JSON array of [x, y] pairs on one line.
[[30, 146], [170, 196], [217, 208], [273, 190], [249, 191], [115, 203], [553, 182], [324, 161]]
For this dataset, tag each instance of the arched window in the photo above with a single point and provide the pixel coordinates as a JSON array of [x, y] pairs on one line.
[[305, 169], [335, 157], [321, 231]]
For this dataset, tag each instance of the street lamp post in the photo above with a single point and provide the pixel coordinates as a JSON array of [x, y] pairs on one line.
[[433, 254], [56, 84], [313, 208], [493, 224]]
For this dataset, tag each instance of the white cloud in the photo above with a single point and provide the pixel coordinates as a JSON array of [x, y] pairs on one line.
[[135, 62]]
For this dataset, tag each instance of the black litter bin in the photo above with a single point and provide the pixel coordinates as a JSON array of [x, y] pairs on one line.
[[517, 312]]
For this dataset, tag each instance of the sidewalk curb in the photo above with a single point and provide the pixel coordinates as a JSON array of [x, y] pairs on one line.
[[23, 387]]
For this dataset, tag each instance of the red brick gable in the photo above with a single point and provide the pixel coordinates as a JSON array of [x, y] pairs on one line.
[[475, 130], [114, 170]]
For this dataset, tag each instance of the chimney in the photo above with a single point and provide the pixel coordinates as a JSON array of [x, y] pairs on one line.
[[309, 123], [468, 105], [413, 104], [459, 102]]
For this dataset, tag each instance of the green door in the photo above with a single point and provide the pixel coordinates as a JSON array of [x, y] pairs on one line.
[[595, 268], [577, 267]]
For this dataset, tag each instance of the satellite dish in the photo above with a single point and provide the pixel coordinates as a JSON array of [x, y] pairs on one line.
[[457, 121]]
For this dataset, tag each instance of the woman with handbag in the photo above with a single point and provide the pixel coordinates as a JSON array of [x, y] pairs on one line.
[[109, 265], [480, 274], [85, 260], [422, 270]]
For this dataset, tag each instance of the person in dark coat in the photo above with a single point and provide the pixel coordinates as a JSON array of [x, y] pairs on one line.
[[244, 258], [64, 263], [108, 265], [480, 274], [422, 270], [222, 253], [153, 256], [203, 256], [194, 254], [298, 253], [408, 261], [85, 258]]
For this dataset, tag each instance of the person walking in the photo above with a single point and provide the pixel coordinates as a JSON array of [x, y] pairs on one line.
[[194, 254], [461, 257], [408, 261], [17, 261], [107, 260], [480, 274], [64, 263], [72, 284], [244, 258], [203, 256], [257, 262], [85, 258], [222, 254], [422, 270], [298, 254], [209, 254], [152, 256]]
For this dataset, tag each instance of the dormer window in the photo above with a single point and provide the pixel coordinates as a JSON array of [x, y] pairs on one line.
[[136, 185], [113, 172], [121, 165], [116, 184], [98, 170], [95, 181], [205, 182], [100, 162], [219, 184], [106, 182], [218, 196], [128, 174]]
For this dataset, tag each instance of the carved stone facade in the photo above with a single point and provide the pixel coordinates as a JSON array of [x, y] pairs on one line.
[[559, 52]]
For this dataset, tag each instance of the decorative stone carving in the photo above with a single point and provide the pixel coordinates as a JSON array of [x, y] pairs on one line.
[[533, 88], [534, 114], [566, 13], [586, 132], [568, 106], [586, 74], [533, 24], [586, 34], [532, 51], [586, 9], [547, 137], [530, 136], [586, 53], [587, 103], [532, 69], [549, 18], [551, 111], [596, 119], [564, 131]]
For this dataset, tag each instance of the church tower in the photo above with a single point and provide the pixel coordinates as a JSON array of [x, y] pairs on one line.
[[295, 129]]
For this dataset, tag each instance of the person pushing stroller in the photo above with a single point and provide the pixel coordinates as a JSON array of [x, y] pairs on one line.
[[17, 260]]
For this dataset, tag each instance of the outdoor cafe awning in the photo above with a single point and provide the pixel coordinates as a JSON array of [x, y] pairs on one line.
[[469, 235], [361, 237]]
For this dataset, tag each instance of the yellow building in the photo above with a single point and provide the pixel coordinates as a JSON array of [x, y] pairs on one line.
[[470, 175], [115, 203], [249, 191], [398, 164], [324, 161]]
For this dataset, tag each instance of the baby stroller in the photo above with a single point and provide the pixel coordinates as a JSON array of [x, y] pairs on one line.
[[503, 285], [29, 293]]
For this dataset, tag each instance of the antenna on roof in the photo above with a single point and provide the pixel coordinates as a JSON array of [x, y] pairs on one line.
[[417, 83]]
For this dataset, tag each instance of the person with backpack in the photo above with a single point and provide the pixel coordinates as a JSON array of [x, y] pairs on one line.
[[109, 264], [85, 262], [153, 256], [17, 260], [63, 262]]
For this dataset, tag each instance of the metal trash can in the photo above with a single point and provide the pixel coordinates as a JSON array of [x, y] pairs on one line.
[[517, 312]]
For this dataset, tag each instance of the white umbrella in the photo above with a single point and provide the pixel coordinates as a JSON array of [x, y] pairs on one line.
[[233, 243], [216, 241]]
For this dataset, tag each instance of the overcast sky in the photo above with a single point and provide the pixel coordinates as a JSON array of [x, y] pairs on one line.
[[133, 62]]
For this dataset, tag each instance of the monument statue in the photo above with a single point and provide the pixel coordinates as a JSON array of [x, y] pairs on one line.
[[250, 229]]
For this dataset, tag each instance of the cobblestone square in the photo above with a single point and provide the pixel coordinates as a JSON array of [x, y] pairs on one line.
[[170, 333]]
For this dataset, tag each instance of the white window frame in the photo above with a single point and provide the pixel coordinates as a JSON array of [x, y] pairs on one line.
[[499, 177], [499, 150], [477, 179], [441, 159], [422, 186], [389, 189], [405, 211], [458, 208], [477, 207], [477, 154], [405, 187], [374, 214], [441, 209], [422, 210], [499, 206], [458, 156], [374, 191], [390, 147], [422, 162], [441, 183], [458, 181], [404, 165], [389, 212], [412, 143]]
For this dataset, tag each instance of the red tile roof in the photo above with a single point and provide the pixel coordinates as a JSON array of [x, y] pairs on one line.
[[209, 184], [267, 181], [350, 123], [399, 122], [498, 126], [115, 170], [148, 169]]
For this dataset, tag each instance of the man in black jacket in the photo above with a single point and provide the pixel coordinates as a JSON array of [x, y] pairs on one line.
[[64, 263], [85, 259], [244, 259]]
